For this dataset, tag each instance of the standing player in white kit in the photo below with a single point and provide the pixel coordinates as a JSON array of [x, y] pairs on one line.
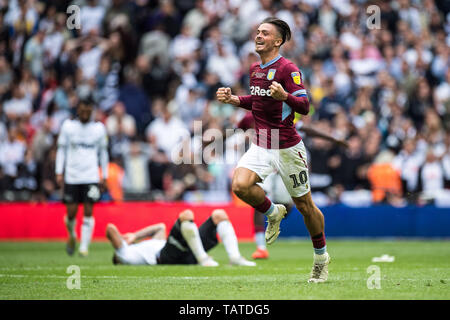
[[82, 146]]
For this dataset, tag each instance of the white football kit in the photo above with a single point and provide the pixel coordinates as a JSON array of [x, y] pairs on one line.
[[144, 252], [81, 148]]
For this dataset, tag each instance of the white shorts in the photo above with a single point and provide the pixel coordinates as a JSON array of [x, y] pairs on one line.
[[289, 163]]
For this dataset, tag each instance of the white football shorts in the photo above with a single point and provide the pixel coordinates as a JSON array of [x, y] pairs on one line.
[[290, 164]]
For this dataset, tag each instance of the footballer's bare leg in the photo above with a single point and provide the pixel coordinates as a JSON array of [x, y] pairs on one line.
[[87, 229], [72, 209], [312, 216], [245, 186], [315, 224], [88, 209], [70, 222]]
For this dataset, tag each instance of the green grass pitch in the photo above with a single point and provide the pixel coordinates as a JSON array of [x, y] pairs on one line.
[[421, 270]]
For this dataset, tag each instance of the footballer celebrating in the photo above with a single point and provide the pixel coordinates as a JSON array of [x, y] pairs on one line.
[[277, 92], [82, 146]]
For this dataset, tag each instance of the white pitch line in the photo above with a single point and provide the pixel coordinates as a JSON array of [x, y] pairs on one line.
[[38, 268], [51, 276], [145, 278], [159, 279], [97, 267]]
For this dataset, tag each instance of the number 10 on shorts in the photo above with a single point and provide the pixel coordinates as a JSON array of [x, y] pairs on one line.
[[302, 177]]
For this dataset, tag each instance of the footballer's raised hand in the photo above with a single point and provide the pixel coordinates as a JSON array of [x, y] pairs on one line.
[[224, 95], [129, 237], [277, 92]]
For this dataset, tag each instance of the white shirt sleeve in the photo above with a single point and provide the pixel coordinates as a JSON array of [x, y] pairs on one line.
[[104, 159], [62, 148]]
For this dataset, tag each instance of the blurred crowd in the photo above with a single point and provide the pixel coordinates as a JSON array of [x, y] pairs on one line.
[[153, 68]]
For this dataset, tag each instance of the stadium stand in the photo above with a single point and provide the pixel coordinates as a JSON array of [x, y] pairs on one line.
[[153, 68]]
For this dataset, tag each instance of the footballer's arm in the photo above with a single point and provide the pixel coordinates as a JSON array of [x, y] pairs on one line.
[[224, 95], [298, 104], [104, 158], [311, 132], [61, 155], [59, 164], [155, 231]]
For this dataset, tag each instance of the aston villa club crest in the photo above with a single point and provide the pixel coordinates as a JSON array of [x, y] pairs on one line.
[[271, 74], [297, 77]]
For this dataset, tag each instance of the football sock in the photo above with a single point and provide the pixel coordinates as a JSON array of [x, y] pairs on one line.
[[190, 233], [226, 232], [267, 207], [319, 243], [260, 240], [87, 228], [70, 225]]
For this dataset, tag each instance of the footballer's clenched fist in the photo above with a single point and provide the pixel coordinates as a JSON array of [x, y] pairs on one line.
[[224, 95], [277, 92]]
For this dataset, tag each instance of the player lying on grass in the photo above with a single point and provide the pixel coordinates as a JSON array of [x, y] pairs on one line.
[[186, 243]]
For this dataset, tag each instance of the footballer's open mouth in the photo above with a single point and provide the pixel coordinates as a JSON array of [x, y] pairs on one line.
[[259, 43]]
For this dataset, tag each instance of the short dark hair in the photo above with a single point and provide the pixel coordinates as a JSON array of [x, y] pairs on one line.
[[282, 27], [115, 259], [87, 101]]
